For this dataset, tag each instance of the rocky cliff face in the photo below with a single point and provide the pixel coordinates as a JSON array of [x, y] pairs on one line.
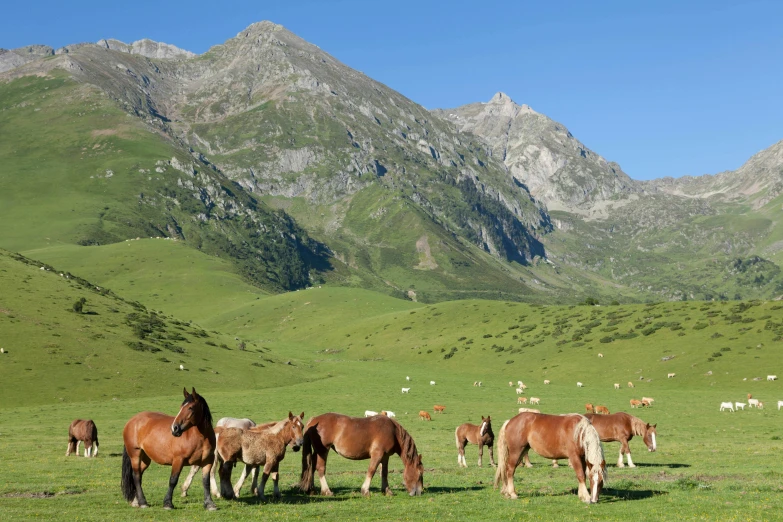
[[17, 57]]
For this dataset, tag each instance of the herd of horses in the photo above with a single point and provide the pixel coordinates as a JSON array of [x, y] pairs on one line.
[[189, 439]]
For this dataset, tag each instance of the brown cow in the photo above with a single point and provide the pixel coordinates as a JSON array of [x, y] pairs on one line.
[[423, 415]]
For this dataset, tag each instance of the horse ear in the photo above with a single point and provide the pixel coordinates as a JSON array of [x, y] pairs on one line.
[[420, 458], [301, 416], [185, 391], [194, 392], [488, 417], [290, 416], [654, 425]]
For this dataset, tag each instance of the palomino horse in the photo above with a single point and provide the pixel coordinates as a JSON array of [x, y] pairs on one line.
[[261, 446], [621, 427], [481, 435], [553, 437], [225, 422], [82, 430], [356, 438], [187, 439]]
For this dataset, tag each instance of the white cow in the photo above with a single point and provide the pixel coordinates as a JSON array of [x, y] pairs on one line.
[[772, 377], [740, 405], [616, 386], [579, 384], [753, 402], [780, 405], [181, 366], [726, 405], [535, 400], [407, 378], [432, 383], [406, 390], [546, 381], [520, 391], [389, 414], [600, 355], [370, 413], [670, 375]]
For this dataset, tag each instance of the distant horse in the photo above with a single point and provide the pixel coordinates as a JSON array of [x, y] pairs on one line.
[[753, 402], [630, 384], [589, 408], [546, 381], [406, 390], [602, 410], [438, 408], [726, 406], [553, 437], [535, 400], [187, 439], [423, 415], [389, 414], [225, 422], [82, 430], [256, 447], [521, 400], [616, 386], [740, 405], [375, 438], [481, 435], [621, 427], [635, 403], [370, 413]]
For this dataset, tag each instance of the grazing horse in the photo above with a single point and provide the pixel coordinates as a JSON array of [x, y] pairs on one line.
[[553, 437], [438, 408], [726, 406], [520, 391], [481, 435], [262, 446], [185, 439], [225, 422], [621, 427], [602, 410], [521, 400], [423, 415], [82, 430], [375, 438], [635, 403], [589, 408]]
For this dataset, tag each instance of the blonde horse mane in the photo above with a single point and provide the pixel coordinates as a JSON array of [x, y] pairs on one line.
[[277, 428], [586, 436], [638, 426]]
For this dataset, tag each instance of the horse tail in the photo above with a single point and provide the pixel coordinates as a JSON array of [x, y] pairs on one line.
[[127, 483], [502, 447], [308, 462], [587, 437], [456, 437]]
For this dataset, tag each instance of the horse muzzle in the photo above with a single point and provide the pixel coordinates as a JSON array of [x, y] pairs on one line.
[[176, 430]]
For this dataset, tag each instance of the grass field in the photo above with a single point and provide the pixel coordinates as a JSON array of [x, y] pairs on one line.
[[350, 350]]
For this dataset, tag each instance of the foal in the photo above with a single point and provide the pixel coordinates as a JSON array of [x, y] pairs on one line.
[[481, 435]]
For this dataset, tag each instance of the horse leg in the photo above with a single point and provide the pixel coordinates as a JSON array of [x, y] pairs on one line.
[[206, 480], [385, 488], [254, 484], [492, 457], [461, 454], [320, 467], [88, 448], [268, 467], [374, 461], [71, 448], [624, 448], [555, 464], [188, 480], [276, 479], [78, 443], [241, 481], [176, 469], [525, 458], [224, 470], [578, 463], [514, 458], [139, 465]]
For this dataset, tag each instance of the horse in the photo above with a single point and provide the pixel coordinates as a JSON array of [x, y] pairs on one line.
[[438, 408], [481, 435], [82, 430], [256, 447], [635, 403], [589, 408], [621, 427], [553, 437], [226, 422], [616, 386], [187, 438], [602, 410], [374, 438], [370, 413], [630, 384], [423, 415], [521, 400], [389, 414], [726, 406], [406, 390], [740, 405]]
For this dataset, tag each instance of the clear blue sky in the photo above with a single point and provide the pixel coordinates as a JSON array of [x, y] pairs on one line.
[[665, 88]]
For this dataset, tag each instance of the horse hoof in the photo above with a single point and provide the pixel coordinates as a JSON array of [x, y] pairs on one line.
[[210, 506], [366, 494], [388, 492], [168, 506], [143, 506]]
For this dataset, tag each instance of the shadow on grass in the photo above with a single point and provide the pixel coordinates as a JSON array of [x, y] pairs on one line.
[[673, 465], [616, 495], [443, 490]]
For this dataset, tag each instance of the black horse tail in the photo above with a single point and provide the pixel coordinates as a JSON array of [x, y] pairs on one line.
[[308, 463], [127, 483]]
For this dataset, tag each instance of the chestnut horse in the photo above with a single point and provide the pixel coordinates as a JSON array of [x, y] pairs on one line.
[[187, 439], [82, 430], [481, 435], [621, 427], [260, 446], [553, 437], [357, 438]]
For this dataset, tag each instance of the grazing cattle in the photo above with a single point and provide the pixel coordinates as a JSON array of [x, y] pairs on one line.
[[423, 415], [82, 431], [726, 406], [546, 381], [479, 384], [648, 400], [600, 355], [480, 435], [520, 391], [520, 384], [760, 405], [589, 408], [389, 414], [2, 350], [579, 384], [535, 400], [753, 402], [772, 377], [370, 413], [521, 400], [630, 384], [621, 427], [750, 396], [635, 403], [616, 386], [602, 410], [376, 438], [181, 366], [432, 383], [780, 405], [407, 378], [475, 383], [406, 390], [510, 384], [740, 405], [529, 410], [553, 437], [438, 408], [670, 375]]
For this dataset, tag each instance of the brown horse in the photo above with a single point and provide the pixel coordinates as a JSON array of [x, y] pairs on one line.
[[423, 415], [82, 430], [438, 408], [261, 446], [481, 435], [553, 437], [187, 439], [621, 427], [356, 438]]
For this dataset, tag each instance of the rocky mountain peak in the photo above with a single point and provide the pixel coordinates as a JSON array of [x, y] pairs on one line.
[[146, 47]]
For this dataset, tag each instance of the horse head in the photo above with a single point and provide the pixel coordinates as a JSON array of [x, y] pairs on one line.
[[296, 426], [649, 437], [486, 426], [193, 411], [413, 476], [597, 477]]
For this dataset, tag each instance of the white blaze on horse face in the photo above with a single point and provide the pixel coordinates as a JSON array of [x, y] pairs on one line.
[[654, 446], [483, 427], [594, 497]]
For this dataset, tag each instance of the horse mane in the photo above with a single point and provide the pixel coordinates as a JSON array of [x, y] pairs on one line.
[[277, 427], [638, 426], [408, 452], [587, 437]]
